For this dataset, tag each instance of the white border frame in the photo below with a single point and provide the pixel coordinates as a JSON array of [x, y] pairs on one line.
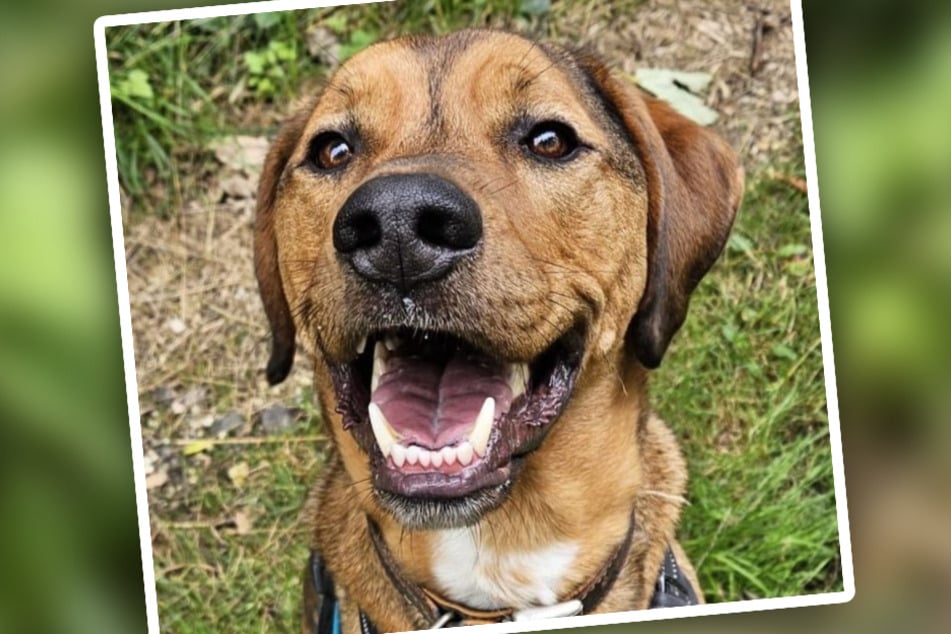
[[125, 322]]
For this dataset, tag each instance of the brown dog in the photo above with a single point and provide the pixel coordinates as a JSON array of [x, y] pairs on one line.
[[485, 243]]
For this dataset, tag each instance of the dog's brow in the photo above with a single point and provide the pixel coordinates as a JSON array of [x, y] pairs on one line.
[[344, 90]]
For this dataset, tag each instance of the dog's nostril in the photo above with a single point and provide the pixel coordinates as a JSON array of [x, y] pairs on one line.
[[448, 229], [361, 231]]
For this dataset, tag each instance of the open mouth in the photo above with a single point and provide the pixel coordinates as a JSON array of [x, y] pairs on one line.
[[446, 424]]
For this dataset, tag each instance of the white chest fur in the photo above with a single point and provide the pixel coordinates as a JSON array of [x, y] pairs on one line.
[[472, 573]]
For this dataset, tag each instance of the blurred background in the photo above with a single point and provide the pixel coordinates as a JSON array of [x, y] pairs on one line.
[[880, 69]]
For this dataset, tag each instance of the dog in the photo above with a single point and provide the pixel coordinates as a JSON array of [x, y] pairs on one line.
[[485, 243]]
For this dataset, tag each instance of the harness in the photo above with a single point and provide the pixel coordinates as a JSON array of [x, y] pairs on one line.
[[671, 589]]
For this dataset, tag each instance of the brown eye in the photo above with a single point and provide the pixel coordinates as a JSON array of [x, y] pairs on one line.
[[552, 140], [330, 151]]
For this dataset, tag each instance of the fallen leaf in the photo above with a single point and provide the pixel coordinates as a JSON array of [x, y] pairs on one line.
[[196, 447], [238, 474], [241, 152], [242, 523], [680, 89], [239, 186]]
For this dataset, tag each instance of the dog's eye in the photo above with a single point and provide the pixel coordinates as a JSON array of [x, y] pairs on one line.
[[330, 151], [552, 140]]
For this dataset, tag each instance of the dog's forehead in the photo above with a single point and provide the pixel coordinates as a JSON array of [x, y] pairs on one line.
[[424, 86]]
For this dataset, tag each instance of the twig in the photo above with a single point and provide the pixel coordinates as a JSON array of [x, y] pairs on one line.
[[248, 440]]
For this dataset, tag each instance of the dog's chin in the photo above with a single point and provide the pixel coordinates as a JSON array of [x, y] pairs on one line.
[[447, 426], [421, 513]]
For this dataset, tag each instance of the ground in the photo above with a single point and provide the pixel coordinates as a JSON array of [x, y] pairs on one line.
[[229, 460]]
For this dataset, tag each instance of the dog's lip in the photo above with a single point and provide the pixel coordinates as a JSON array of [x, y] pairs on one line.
[[515, 432], [435, 485]]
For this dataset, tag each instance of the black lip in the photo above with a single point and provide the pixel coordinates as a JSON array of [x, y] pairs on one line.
[[430, 499]]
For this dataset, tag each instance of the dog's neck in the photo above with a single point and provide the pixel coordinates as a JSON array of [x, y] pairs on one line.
[[568, 510]]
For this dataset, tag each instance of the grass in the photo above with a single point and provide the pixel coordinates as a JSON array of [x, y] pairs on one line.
[[743, 388], [742, 385], [175, 85]]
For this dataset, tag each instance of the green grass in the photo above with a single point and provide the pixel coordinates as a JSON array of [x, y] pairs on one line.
[[742, 385], [212, 578], [175, 85], [743, 388]]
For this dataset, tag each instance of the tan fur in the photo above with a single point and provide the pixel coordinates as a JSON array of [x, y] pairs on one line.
[[620, 239]]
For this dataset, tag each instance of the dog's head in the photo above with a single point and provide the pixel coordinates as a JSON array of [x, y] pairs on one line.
[[461, 229]]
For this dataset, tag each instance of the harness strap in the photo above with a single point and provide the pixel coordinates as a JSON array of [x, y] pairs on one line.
[[328, 617], [672, 589]]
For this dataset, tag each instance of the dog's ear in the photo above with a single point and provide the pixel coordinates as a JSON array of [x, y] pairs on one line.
[[694, 187], [266, 266]]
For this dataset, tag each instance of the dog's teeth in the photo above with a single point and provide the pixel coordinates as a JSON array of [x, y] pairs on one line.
[[412, 454], [464, 453], [425, 457], [398, 453], [392, 342], [448, 455], [436, 457], [362, 346], [381, 429], [380, 356], [479, 437], [518, 379]]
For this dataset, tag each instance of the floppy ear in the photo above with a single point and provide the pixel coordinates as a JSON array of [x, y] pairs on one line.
[[266, 266], [694, 186]]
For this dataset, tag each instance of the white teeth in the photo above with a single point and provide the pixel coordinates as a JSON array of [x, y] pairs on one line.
[[479, 437], [448, 455], [381, 429], [392, 342], [379, 365], [425, 457], [362, 346], [398, 453], [518, 379], [464, 453]]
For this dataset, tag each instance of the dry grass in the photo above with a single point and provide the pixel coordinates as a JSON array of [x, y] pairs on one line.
[[225, 493]]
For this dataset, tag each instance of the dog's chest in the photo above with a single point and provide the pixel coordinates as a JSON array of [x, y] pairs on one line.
[[470, 572]]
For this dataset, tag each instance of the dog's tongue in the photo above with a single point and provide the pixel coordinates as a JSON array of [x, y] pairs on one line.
[[433, 403]]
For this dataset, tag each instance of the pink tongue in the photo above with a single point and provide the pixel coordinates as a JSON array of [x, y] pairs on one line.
[[435, 405]]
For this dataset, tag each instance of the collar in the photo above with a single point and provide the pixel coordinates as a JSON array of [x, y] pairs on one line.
[[433, 611]]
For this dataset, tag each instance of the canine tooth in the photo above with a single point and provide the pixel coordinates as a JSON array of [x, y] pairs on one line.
[[412, 454], [381, 429], [398, 453], [379, 365], [362, 346], [448, 455], [425, 457], [464, 453], [518, 379], [479, 437], [436, 457]]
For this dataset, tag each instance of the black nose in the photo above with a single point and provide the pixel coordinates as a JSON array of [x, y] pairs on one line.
[[407, 228]]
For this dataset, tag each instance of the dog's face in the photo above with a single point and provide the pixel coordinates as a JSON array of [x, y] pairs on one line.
[[465, 231]]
